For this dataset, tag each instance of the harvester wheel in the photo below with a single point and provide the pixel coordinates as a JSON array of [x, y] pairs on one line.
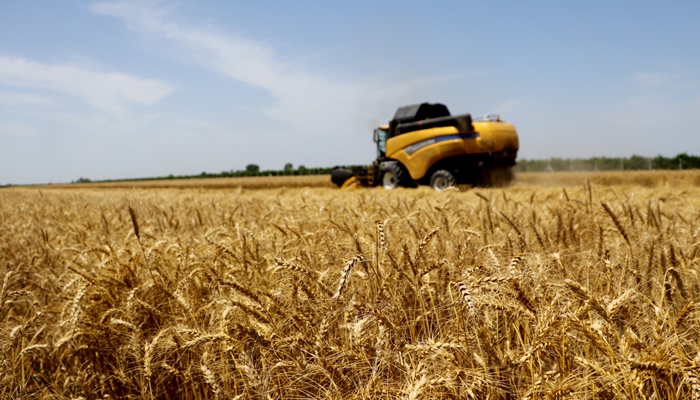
[[442, 179], [393, 175]]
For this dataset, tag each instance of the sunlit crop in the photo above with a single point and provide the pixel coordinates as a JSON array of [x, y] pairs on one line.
[[566, 286]]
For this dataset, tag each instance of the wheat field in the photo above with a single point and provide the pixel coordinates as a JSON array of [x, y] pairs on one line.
[[557, 287]]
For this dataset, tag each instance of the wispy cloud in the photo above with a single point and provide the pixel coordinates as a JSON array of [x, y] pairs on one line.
[[103, 90], [14, 98], [304, 98], [233, 56], [237, 57]]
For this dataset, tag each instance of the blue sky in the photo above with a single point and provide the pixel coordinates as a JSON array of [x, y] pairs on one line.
[[123, 89]]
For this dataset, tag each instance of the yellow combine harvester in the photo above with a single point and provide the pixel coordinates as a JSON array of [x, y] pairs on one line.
[[424, 145]]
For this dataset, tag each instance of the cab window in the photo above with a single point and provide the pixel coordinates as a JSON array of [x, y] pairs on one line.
[[380, 136]]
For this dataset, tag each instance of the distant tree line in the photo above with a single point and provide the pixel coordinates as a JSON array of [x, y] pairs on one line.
[[254, 170], [634, 163], [250, 170], [679, 162]]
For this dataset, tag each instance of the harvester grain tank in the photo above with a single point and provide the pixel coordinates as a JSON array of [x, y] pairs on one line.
[[425, 145]]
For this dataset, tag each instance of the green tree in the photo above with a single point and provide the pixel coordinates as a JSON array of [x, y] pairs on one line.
[[252, 169]]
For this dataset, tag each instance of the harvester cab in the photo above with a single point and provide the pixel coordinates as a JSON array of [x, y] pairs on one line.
[[425, 145], [381, 134]]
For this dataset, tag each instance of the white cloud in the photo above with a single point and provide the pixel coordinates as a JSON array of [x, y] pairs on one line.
[[107, 91], [305, 99], [238, 58], [24, 99]]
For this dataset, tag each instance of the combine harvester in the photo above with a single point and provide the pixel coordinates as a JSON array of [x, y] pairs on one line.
[[424, 145]]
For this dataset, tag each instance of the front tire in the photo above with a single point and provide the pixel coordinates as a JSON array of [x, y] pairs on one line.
[[393, 175], [442, 180]]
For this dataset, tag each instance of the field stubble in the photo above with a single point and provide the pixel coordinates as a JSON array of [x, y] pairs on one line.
[[539, 290]]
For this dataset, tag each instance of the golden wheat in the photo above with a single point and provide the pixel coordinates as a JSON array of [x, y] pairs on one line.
[[526, 292]]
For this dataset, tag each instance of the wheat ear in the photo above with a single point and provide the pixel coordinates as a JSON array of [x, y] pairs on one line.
[[342, 284]]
